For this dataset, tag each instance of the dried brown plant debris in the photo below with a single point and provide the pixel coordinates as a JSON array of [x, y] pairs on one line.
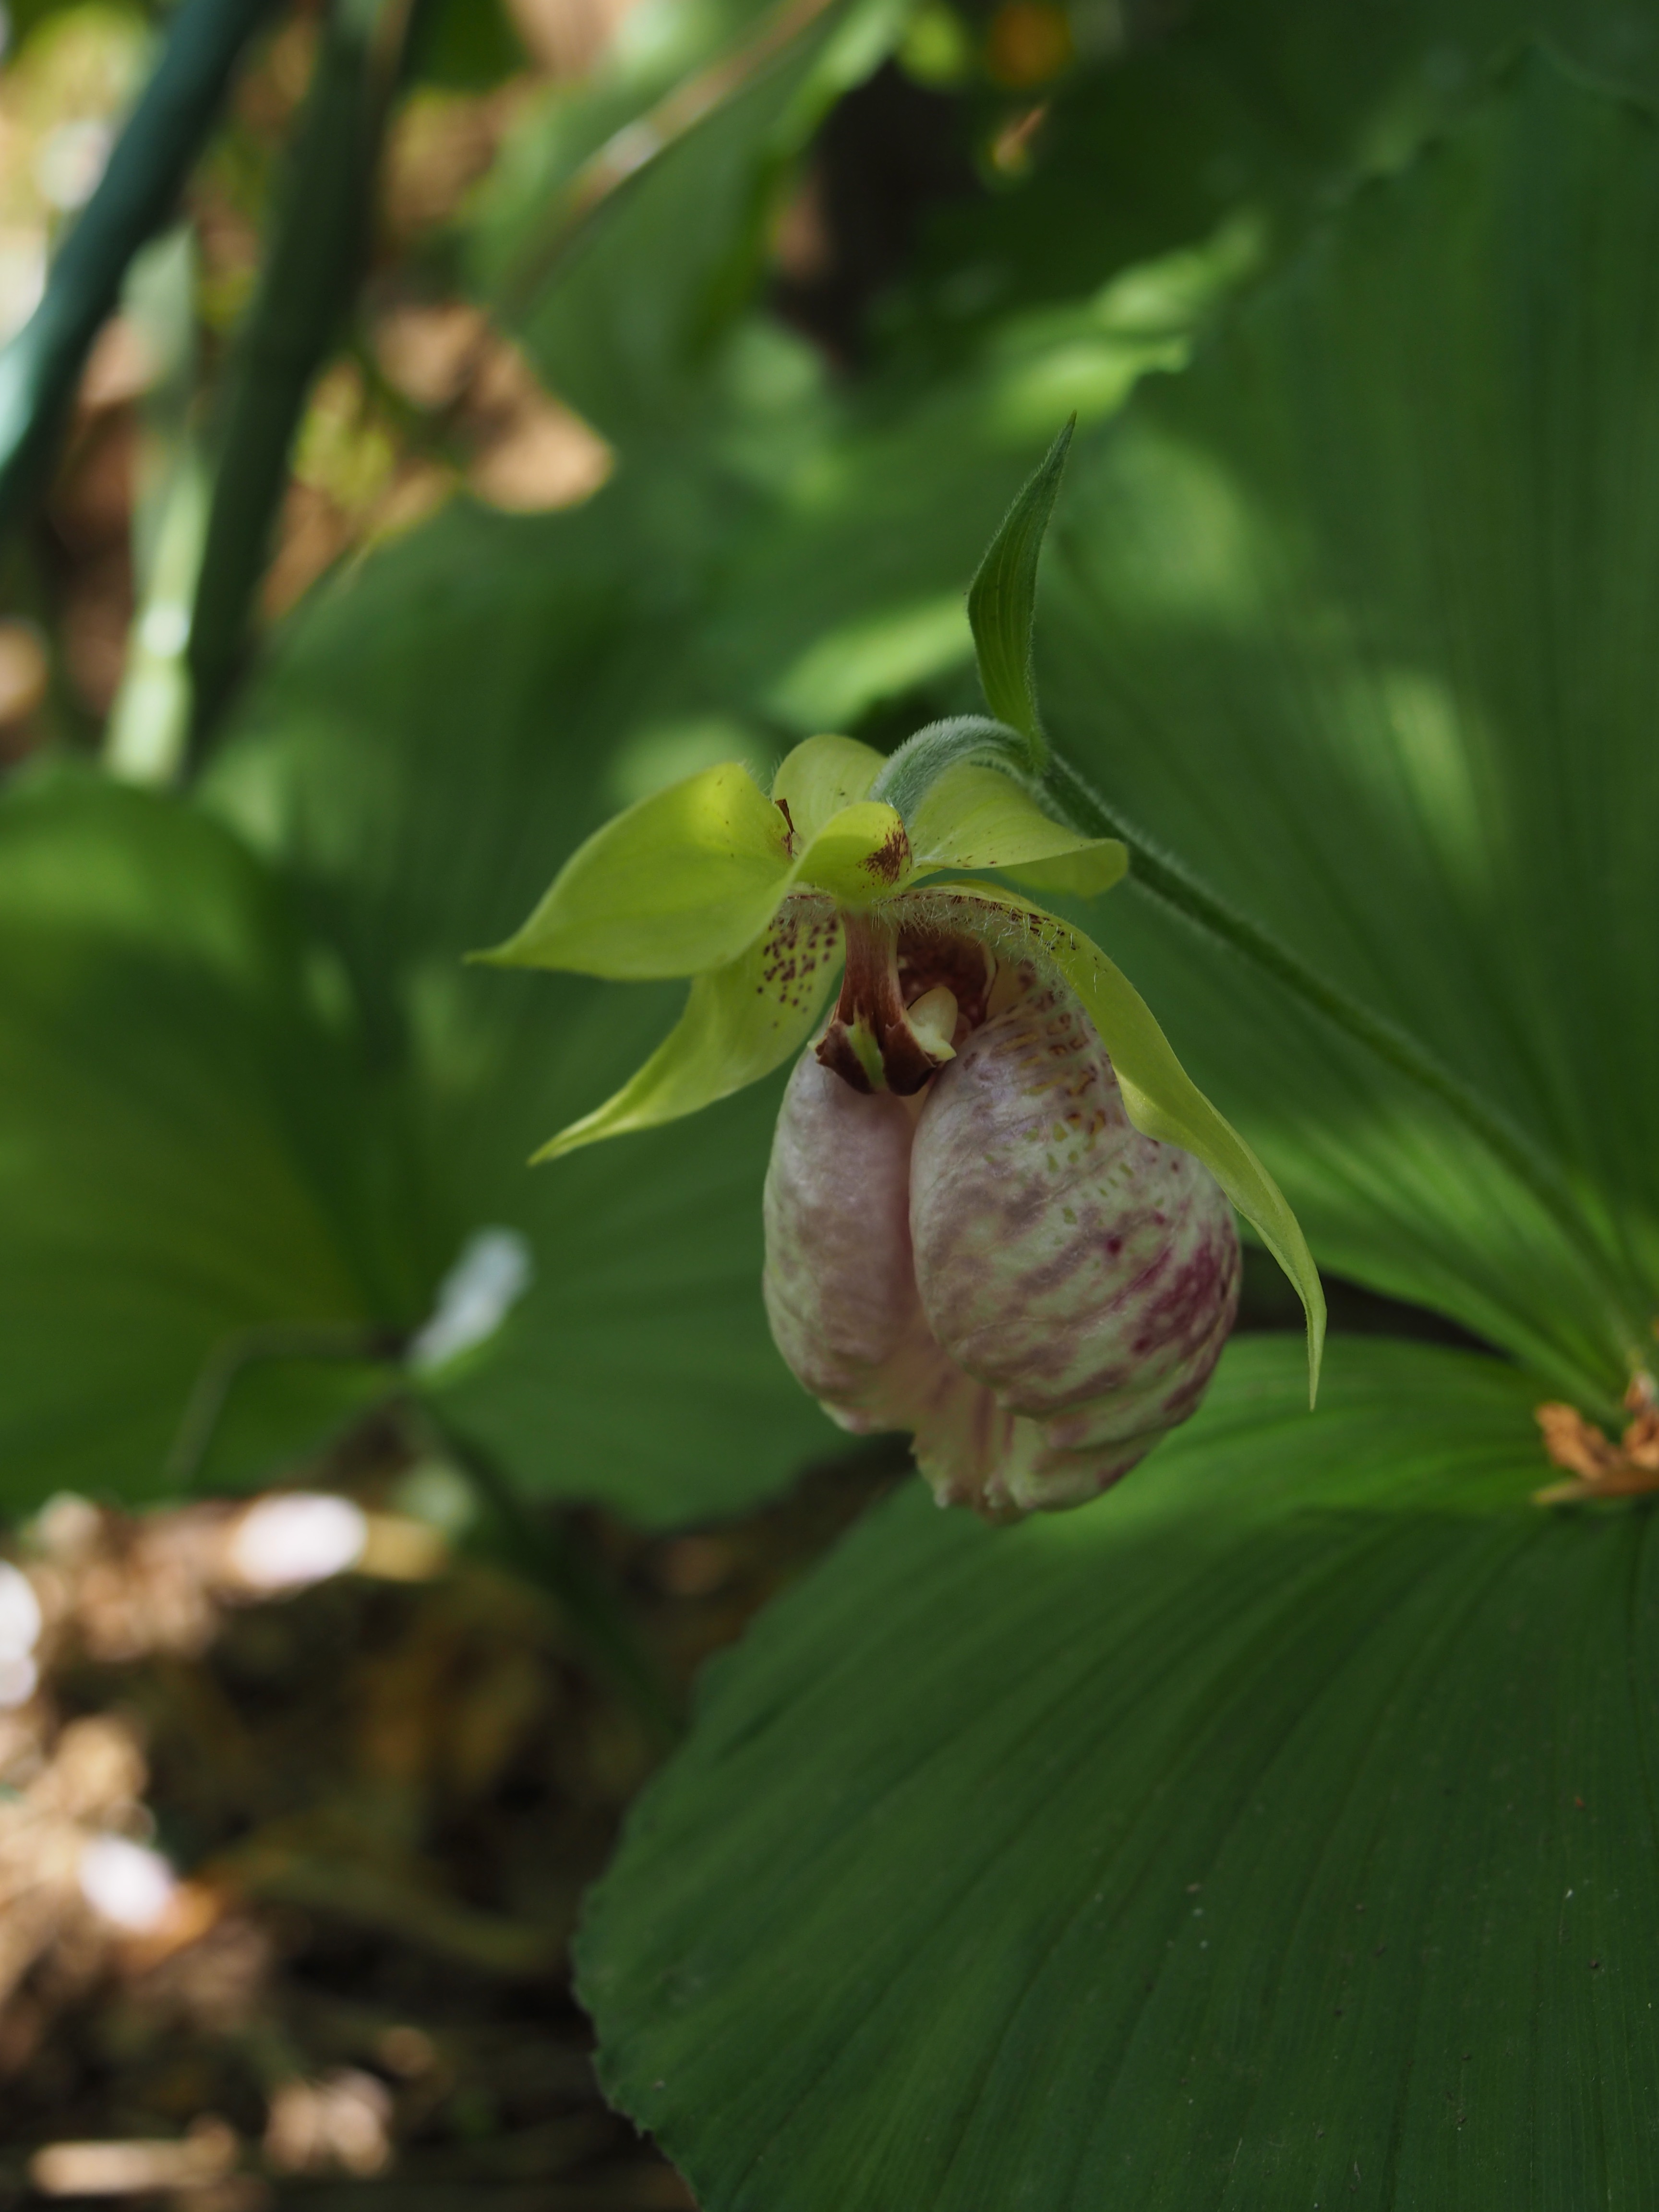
[[1600, 1467]]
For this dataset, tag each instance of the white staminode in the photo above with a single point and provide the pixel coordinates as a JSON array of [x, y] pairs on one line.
[[493, 1271], [20, 1632], [126, 1883], [298, 1537]]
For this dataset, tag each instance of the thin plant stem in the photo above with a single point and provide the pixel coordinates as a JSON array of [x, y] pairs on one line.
[[550, 1556], [267, 1343], [145, 173]]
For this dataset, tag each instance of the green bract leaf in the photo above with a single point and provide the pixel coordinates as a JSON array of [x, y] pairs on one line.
[[740, 1021], [821, 777], [680, 883], [1002, 602], [1273, 1833], [975, 817], [1163, 1101]]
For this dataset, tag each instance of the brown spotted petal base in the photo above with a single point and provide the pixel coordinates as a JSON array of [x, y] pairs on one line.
[[996, 1259]]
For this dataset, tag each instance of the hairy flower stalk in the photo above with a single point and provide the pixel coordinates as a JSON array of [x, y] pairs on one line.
[[999, 1211], [982, 1249]]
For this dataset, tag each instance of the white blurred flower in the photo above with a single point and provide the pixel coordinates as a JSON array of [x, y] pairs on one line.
[[20, 1632], [297, 1537], [493, 1271], [19, 1612], [125, 1883]]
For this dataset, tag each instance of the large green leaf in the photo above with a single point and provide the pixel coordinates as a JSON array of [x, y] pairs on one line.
[[1237, 110], [435, 739], [1353, 616], [185, 1171], [624, 272], [1278, 1831]]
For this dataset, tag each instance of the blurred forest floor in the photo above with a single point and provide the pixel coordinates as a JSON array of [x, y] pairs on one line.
[[390, 1785]]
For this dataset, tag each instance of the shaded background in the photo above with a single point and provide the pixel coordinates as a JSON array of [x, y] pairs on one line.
[[676, 364]]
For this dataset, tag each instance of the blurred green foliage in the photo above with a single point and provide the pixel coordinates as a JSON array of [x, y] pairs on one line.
[[1348, 605]]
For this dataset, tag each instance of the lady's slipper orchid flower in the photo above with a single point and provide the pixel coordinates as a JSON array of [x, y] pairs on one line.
[[995, 1214], [997, 1211]]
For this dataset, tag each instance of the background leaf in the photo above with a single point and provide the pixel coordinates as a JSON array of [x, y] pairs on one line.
[[1233, 111], [436, 739], [183, 1153], [625, 279], [1264, 1834]]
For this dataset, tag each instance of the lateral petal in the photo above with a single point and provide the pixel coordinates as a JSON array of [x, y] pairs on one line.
[[740, 1021]]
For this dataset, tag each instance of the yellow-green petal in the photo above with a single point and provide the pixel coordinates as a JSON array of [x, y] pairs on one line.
[[977, 818], [679, 883], [740, 1021], [1162, 1099], [821, 777]]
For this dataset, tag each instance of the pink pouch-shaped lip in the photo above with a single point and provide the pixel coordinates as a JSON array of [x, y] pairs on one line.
[[998, 1262]]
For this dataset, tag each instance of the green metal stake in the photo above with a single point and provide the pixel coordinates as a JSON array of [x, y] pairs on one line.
[[153, 156], [305, 290]]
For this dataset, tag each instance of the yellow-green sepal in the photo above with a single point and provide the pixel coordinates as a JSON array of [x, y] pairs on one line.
[[740, 1021], [820, 777], [977, 818], [1163, 1101], [679, 883]]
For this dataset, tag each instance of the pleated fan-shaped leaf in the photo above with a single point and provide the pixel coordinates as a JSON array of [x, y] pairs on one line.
[[1275, 1832], [1253, 107], [1355, 615]]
